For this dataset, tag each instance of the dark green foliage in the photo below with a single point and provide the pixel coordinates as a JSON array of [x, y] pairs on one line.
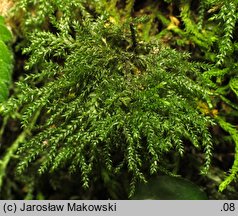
[[99, 98], [169, 188], [207, 28]]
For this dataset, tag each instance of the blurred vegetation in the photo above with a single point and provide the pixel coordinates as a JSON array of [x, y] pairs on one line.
[[5, 60], [109, 94]]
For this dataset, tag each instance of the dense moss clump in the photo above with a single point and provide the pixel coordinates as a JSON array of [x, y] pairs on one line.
[[108, 92]]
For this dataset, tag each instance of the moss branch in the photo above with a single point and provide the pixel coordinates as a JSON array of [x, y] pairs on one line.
[[10, 153]]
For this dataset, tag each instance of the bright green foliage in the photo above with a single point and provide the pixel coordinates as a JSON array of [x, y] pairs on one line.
[[227, 17], [5, 60], [234, 85], [5, 35], [234, 170], [105, 97], [193, 33]]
